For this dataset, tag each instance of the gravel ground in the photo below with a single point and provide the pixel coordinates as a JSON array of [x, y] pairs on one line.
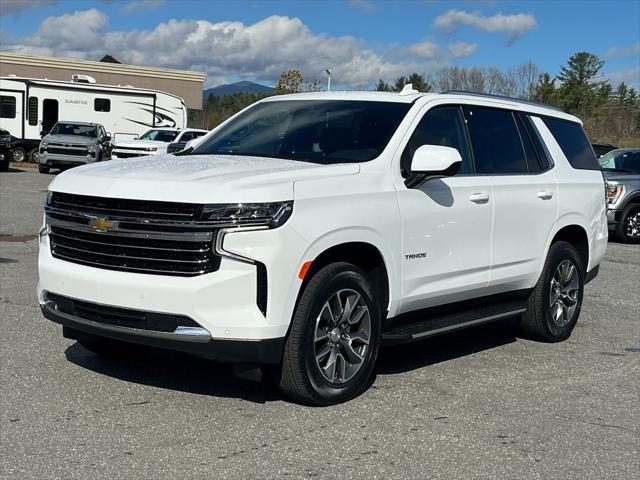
[[477, 404]]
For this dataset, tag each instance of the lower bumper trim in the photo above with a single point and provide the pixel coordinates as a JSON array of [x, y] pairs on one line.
[[267, 351]]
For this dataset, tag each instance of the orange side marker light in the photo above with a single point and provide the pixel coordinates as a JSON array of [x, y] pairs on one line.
[[304, 269]]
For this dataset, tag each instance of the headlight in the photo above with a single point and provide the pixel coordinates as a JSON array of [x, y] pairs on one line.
[[91, 148], [44, 145], [614, 192], [49, 197], [151, 149], [271, 215]]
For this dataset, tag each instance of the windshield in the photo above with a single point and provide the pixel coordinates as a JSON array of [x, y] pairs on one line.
[[627, 161], [74, 129], [159, 135], [336, 131]]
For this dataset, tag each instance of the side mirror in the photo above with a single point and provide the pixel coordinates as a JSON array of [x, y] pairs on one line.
[[107, 137], [433, 161], [42, 133]]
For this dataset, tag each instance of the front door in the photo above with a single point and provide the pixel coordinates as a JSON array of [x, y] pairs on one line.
[[49, 114], [446, 223]]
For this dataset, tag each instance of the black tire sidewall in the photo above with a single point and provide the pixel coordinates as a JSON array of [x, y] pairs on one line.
[[559, 253], [353, 278], [621, 230]]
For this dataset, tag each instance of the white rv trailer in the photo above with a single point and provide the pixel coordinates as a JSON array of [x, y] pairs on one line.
[[29, 106]]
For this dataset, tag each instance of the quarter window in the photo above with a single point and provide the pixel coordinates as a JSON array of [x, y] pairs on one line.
[[497, 147], [102, 105], [573, 142], [440, 126], [7, 107], [33, 111]]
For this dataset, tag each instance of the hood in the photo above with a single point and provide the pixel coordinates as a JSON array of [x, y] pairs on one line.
[[621, 176], [71, 139], [195, 178], [141, 144]]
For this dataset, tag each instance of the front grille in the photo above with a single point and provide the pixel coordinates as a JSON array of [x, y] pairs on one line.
[[121, 317], [66, 151], [128, 154], [162, 238]]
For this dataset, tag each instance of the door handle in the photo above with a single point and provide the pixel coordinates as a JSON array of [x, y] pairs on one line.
[[545, 195], [479, 197]]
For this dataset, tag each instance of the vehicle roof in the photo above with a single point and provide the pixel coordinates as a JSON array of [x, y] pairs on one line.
[[80, 123], [457, 97]]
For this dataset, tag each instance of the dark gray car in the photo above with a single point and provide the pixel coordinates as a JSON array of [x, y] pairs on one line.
[[622, 172], [69, 144]]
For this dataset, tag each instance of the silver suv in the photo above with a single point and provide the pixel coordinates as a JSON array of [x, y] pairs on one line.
[[70, 144], [622, 172]]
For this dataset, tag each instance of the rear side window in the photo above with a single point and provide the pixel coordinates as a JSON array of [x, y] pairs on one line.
[[102, 105], [440, 126], [33, 111], [7, 107], [573, 142], [497, 147], [536, 140]]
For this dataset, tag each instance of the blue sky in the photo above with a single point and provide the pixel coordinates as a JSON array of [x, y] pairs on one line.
[[361, 40]]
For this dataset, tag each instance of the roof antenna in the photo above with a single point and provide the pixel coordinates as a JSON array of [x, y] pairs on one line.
[[408, 90]]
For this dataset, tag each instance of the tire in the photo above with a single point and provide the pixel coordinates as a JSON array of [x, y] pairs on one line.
[[628, 228], [555, 302], [18, 155], [34, 156], [43, 169], [309, 381]]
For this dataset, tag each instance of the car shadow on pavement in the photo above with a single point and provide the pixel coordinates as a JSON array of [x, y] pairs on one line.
[[175, 371], [412, 356]]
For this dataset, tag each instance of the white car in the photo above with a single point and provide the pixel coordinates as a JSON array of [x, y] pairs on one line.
[[309, 229], [154, 142]]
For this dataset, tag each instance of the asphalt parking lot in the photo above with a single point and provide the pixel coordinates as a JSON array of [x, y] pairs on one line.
[[477, 404]]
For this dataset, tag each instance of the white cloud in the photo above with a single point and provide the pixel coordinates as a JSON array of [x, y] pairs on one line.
[[514, 26], [617, 52], [17, 6], [630, 76], [135, 6], [226, 50], [462, 49]]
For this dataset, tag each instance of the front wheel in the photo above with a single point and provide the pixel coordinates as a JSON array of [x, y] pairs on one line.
[[628, 230], [555, 302], [18, 155], [333, 343]]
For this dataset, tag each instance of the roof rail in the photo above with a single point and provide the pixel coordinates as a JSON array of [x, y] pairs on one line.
[[502, 97]]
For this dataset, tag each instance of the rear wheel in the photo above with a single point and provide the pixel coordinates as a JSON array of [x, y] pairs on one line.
[[18, 155], [333, 344], [628, 229], [554, 304], [34, 156]]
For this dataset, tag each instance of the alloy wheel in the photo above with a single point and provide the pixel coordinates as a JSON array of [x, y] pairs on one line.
[[632, 225], [563, 293], [343, 330], [18, 156]]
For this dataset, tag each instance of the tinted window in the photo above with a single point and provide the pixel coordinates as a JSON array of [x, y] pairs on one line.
[[33, 110], [536, 139], [82, 130], [186, 136], [319, 131], [625, 161], [573, 142], [102, 105], [440, 126], [529, 152], [7, 107], [497, 147], [160, 135]]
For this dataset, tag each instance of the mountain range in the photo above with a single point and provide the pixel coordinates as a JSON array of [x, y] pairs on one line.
[[237, 87]]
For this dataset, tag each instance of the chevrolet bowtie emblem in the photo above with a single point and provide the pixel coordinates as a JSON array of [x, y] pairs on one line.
[[103, 224]]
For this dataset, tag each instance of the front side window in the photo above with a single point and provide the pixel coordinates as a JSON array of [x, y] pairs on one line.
[[442, 126], [7, 107], [159, 135], [74, 129], [623, 161], [497, 147], [573, 142], [318, 131]]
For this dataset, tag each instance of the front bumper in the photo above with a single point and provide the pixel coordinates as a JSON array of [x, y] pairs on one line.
[[613, 217], [268, 351], [55, 160]]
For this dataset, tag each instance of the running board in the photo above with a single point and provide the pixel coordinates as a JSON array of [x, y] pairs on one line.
[[425, 328]]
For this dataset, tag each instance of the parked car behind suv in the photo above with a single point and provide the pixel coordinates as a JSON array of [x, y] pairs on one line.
[[70, 144], [186, 137], [622, 171], [309, 229], [5, 149], [154, 142]]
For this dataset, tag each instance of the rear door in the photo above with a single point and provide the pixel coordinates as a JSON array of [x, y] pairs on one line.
[[11, 112], [524, 192]]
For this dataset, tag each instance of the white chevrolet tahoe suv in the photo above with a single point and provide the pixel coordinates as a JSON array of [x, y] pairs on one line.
[[310, 229]]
